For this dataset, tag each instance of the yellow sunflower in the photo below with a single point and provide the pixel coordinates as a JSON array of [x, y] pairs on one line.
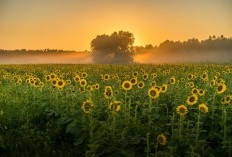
[[106, 77], [84, 75], [87, 105], [114, 106], [164, 88], [221, 88], [194, 91], [140, 85], [203, 108], [212, 83], [204, 77], [145, 76], [172, 80], [201, 92], [153, 93], [126, 85], [60, 84], [83, 82], [162, 139], [226, 100], [134, 81], [191, 100], [181, 110], [76, 78], [108, 92]]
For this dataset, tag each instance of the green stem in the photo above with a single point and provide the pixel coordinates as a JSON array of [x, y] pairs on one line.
[[198, 128], [148, 144]]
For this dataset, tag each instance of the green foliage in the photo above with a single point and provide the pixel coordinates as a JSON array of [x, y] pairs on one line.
[[51, 120]]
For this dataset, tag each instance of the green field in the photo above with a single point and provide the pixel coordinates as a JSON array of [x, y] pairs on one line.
[[116, 110]]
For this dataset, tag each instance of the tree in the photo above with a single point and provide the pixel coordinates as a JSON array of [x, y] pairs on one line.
[[114, 48]]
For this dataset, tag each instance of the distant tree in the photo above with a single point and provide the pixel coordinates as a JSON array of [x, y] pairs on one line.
[[114, 48]]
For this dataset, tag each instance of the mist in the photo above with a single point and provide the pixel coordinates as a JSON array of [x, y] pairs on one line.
[[183, 57], [145, 57]]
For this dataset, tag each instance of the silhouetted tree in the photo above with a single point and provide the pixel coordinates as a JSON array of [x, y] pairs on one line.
[[114, 48]]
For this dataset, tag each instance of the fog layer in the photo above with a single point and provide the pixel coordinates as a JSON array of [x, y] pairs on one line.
[[145, 57]]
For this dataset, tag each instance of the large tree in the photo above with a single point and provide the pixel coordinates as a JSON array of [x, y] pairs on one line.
[[114, 48]]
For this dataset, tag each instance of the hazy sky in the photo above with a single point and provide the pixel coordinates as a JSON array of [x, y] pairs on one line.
[[72, 24]]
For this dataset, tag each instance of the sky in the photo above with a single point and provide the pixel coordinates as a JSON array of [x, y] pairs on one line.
[[72, 24]]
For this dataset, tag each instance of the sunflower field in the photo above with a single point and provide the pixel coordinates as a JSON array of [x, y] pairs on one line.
[[116, 110]]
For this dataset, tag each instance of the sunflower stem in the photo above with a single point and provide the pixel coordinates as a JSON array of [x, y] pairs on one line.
[[148, 144], [198, 128], [224, 125]]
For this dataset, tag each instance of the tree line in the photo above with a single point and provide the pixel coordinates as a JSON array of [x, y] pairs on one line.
[[213, 43]]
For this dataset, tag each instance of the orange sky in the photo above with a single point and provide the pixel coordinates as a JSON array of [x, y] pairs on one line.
[[72, 24]]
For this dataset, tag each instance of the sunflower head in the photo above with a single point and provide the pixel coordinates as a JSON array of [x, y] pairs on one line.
[[162, 139], [221, 88], [108, 92], [194, 91], [87, 105], [115, 106], [201, 92], [164, 88], [191, 100], [134, 80], [182, 110], [153, 93], [203, 108], [140, 85], [83, 82], [127, 85], [76, 78], [172, 80]]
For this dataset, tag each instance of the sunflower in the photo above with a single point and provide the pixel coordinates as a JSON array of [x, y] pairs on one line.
[[191, 84], [135, 74], [145, 76], [162, 139], [106, 77], [60, 84], [76, 78], [153, 83], [204, 76], [83, 82], [54, 82], [190, 76], [68, 82], [191, 100], [108, 92], [201, 92], [220, 81], [89, 88], [87, 105], [154, 75], [140, 85], [97, 86], [172, 80], [221, 88], [84, 75], [47, 78], [127, 85], [164, 88], [114, 106], [134, 81], [194, 91], [53, 76], [153, 93], [226, 100], [203, 108], [212, 83], [182, 110]]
